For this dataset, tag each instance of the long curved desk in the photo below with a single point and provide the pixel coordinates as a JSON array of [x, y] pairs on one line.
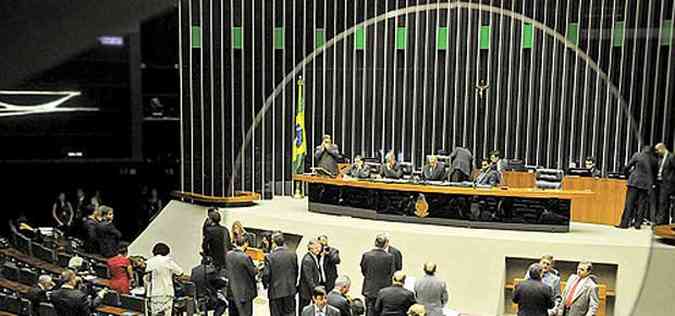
[[500, 208]]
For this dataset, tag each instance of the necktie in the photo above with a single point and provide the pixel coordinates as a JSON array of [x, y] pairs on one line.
[[570, 295]]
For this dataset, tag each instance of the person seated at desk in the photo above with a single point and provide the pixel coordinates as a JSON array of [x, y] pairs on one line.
[[390, 169], [358, 169], [589, 163], [488, 174], [433, 170], [327, 155]]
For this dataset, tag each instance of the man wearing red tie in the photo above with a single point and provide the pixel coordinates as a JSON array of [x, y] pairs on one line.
[[580, 297]]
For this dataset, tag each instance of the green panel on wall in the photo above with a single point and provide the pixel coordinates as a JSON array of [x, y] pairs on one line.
[[527, 36], [401, 37], [319, 38], [573, 33], [237, 38], [617, 34], [666, 32], [360, 38], [196, 37], [279, 39], [485, 37], [442, 38]]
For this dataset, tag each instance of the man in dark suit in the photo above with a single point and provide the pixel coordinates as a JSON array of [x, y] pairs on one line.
[[207, 221], [311, 274], [534, 298], [107, 234], [358, 169], [89, 229], [665, 184], [394, 300], [488, 174], [208, 285], [397, 256], [377, 267], [593, 170], [331, 258], [241, 275], [38, 294], [461, 165], [640, 182], [216, 240], [391, 169], [326, 155], [280, 277], [70, 301], [338, 296], [433, 170], [320, 306]]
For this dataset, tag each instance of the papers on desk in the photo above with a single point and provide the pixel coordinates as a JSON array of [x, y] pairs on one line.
[[449, 312]]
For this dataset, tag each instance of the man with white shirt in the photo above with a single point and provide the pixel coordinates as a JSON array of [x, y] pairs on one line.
[[665, 184], [320, 306], [160, 270], [580, 297]]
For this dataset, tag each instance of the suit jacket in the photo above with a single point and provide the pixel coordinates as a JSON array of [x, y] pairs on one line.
[[216, 243], [36, 295], [327, 158], [377, 267], [359, 173], [391, 173], [586, 299], [108, 238], [432, 292], [490, 177], [393, 301], [73, 302], [90, 243], [398, 258], [642, 171], [280, 275], [668, 173], [330, 262], [310, 276], [339, 301], [310, 310], [534, 298], [241, 274], [462, 159], [435, 174]]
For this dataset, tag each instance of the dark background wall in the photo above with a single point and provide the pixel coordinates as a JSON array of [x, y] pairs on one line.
[[408, 83]]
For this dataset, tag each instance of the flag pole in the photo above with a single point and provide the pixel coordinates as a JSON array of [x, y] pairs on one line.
[[300, 141]]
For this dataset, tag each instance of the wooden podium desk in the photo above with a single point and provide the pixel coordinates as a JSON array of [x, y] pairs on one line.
[[604, 207]]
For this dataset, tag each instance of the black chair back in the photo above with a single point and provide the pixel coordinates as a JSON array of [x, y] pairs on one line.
[[134, 303], [28, 276], [43, 253], [102, 271], [111, 299]]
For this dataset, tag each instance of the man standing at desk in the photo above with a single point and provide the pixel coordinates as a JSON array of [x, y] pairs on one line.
[[665, 184], [639, 184], [391, 169], [327, 155], [433, 170], [462, 165]]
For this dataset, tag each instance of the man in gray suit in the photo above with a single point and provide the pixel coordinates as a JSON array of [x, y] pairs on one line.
[[320, 305], [461, 165], [431, 291], [580, 297]]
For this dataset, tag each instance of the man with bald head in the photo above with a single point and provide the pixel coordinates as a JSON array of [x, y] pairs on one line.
[[665, 184], [394, 300], [431, 291]]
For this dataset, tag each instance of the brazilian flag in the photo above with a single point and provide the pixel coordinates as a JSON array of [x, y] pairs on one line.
[[299, 141]]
